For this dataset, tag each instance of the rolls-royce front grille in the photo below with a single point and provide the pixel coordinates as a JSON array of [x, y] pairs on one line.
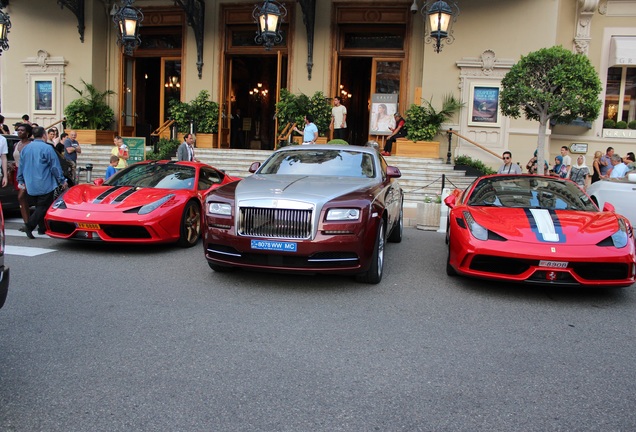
[[275, 222]]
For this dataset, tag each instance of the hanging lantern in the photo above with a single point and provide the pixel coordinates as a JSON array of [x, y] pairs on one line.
[[440, 16], [128, 19], [5, 25], [268, 18]]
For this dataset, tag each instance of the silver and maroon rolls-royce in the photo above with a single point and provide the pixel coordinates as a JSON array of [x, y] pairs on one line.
[[309, 208]]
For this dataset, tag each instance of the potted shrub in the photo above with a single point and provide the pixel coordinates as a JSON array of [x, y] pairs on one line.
[[292, 108], [428, 212], [203, 112], [166, 149], [90, 115], [473, 167], [423, 123]]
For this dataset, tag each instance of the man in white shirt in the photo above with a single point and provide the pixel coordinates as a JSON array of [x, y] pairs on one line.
[[567, 159], [338, 119]]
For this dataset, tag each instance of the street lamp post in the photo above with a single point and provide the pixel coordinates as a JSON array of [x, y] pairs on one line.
[[440, 16], [449, 153], [269, 17], [128, 19], [5, 25]]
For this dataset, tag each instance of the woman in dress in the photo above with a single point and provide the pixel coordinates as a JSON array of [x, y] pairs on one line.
[[383, 121], [596, 166], [580, 172], [24, 133]]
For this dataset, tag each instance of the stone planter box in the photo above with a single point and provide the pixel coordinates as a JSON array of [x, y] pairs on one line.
[[202, 140], [428, 215], [91, 136], [417, 149]]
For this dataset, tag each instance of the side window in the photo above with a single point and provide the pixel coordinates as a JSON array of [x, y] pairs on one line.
[[383, 168], [209, 177]]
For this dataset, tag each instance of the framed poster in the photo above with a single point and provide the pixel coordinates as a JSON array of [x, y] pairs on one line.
[[43, 94], [484, 105], [383, 107]]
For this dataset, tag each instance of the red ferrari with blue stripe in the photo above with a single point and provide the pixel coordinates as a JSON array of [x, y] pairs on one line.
[[148, 202], [536, 229]]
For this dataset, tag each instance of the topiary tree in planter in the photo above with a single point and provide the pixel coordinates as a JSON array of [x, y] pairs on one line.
[[90, 110], [423, 122]]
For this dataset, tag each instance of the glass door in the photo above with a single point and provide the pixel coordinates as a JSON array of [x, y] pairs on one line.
[[171, 85]]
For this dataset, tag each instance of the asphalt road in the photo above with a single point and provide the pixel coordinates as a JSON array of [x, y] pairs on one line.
[[118, 338]]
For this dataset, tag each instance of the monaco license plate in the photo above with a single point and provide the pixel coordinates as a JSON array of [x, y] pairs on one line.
[[553, 264], [83, 225], [274, 245]]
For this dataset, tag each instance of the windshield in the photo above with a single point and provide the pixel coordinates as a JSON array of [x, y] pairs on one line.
[[160, 176], [320, 162], [530, 192]]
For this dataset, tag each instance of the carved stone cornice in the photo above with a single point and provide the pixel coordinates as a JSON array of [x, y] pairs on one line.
[[487, 65], [585, 11]]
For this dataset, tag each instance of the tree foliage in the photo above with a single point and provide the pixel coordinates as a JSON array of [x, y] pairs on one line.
[[292, 108], [423, 122], [551, 84], [203, 111]]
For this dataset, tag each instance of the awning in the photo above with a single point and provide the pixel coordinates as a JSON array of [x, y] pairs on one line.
[[623, 51]]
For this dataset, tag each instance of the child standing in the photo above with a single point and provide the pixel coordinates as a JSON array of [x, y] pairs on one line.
[[114, 160]]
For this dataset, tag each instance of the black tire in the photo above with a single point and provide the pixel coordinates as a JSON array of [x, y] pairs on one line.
[[396, 234], [450, 271], [220, 268], [374, 274], [190, 225]]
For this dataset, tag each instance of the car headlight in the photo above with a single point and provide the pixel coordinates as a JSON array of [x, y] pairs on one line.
[[343, 214], [620, 237], [59, 204], [154, 205], [478, 231], [220, 209]]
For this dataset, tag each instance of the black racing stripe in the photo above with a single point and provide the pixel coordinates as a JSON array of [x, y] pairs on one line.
[[106, 193], [125, 195]]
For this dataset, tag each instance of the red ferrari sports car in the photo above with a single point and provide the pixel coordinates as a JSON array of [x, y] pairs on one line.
[[536, 229], [148, 202]]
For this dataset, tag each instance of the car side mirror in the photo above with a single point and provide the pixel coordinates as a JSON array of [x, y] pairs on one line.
[[393, 172], [254, 167], [98, 181], [607, 207], [450, 201]]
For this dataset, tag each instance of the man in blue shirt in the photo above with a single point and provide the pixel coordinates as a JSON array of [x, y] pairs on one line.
[[310, 133], [40, 173]]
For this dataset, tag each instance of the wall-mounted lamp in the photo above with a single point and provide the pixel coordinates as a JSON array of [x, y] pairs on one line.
[[439, 16], [127, 20], [268, 18], [5, 25]]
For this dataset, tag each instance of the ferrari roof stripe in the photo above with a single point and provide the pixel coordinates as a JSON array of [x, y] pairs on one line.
[[545, 225], [104, 194]]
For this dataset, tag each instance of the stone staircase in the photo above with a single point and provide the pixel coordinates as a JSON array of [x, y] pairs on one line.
[[420, 177]]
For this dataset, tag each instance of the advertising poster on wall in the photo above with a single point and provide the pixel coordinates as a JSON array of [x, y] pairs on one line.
[[383, 107], [43, 96], [484, 103]]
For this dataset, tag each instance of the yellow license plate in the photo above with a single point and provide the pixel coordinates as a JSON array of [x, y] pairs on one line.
[[83, 225]]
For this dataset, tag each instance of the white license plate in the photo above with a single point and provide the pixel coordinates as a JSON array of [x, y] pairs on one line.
[[553, 264], [274, 245]]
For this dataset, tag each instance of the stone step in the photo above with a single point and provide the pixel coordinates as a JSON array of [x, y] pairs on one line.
[[420, 177]]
